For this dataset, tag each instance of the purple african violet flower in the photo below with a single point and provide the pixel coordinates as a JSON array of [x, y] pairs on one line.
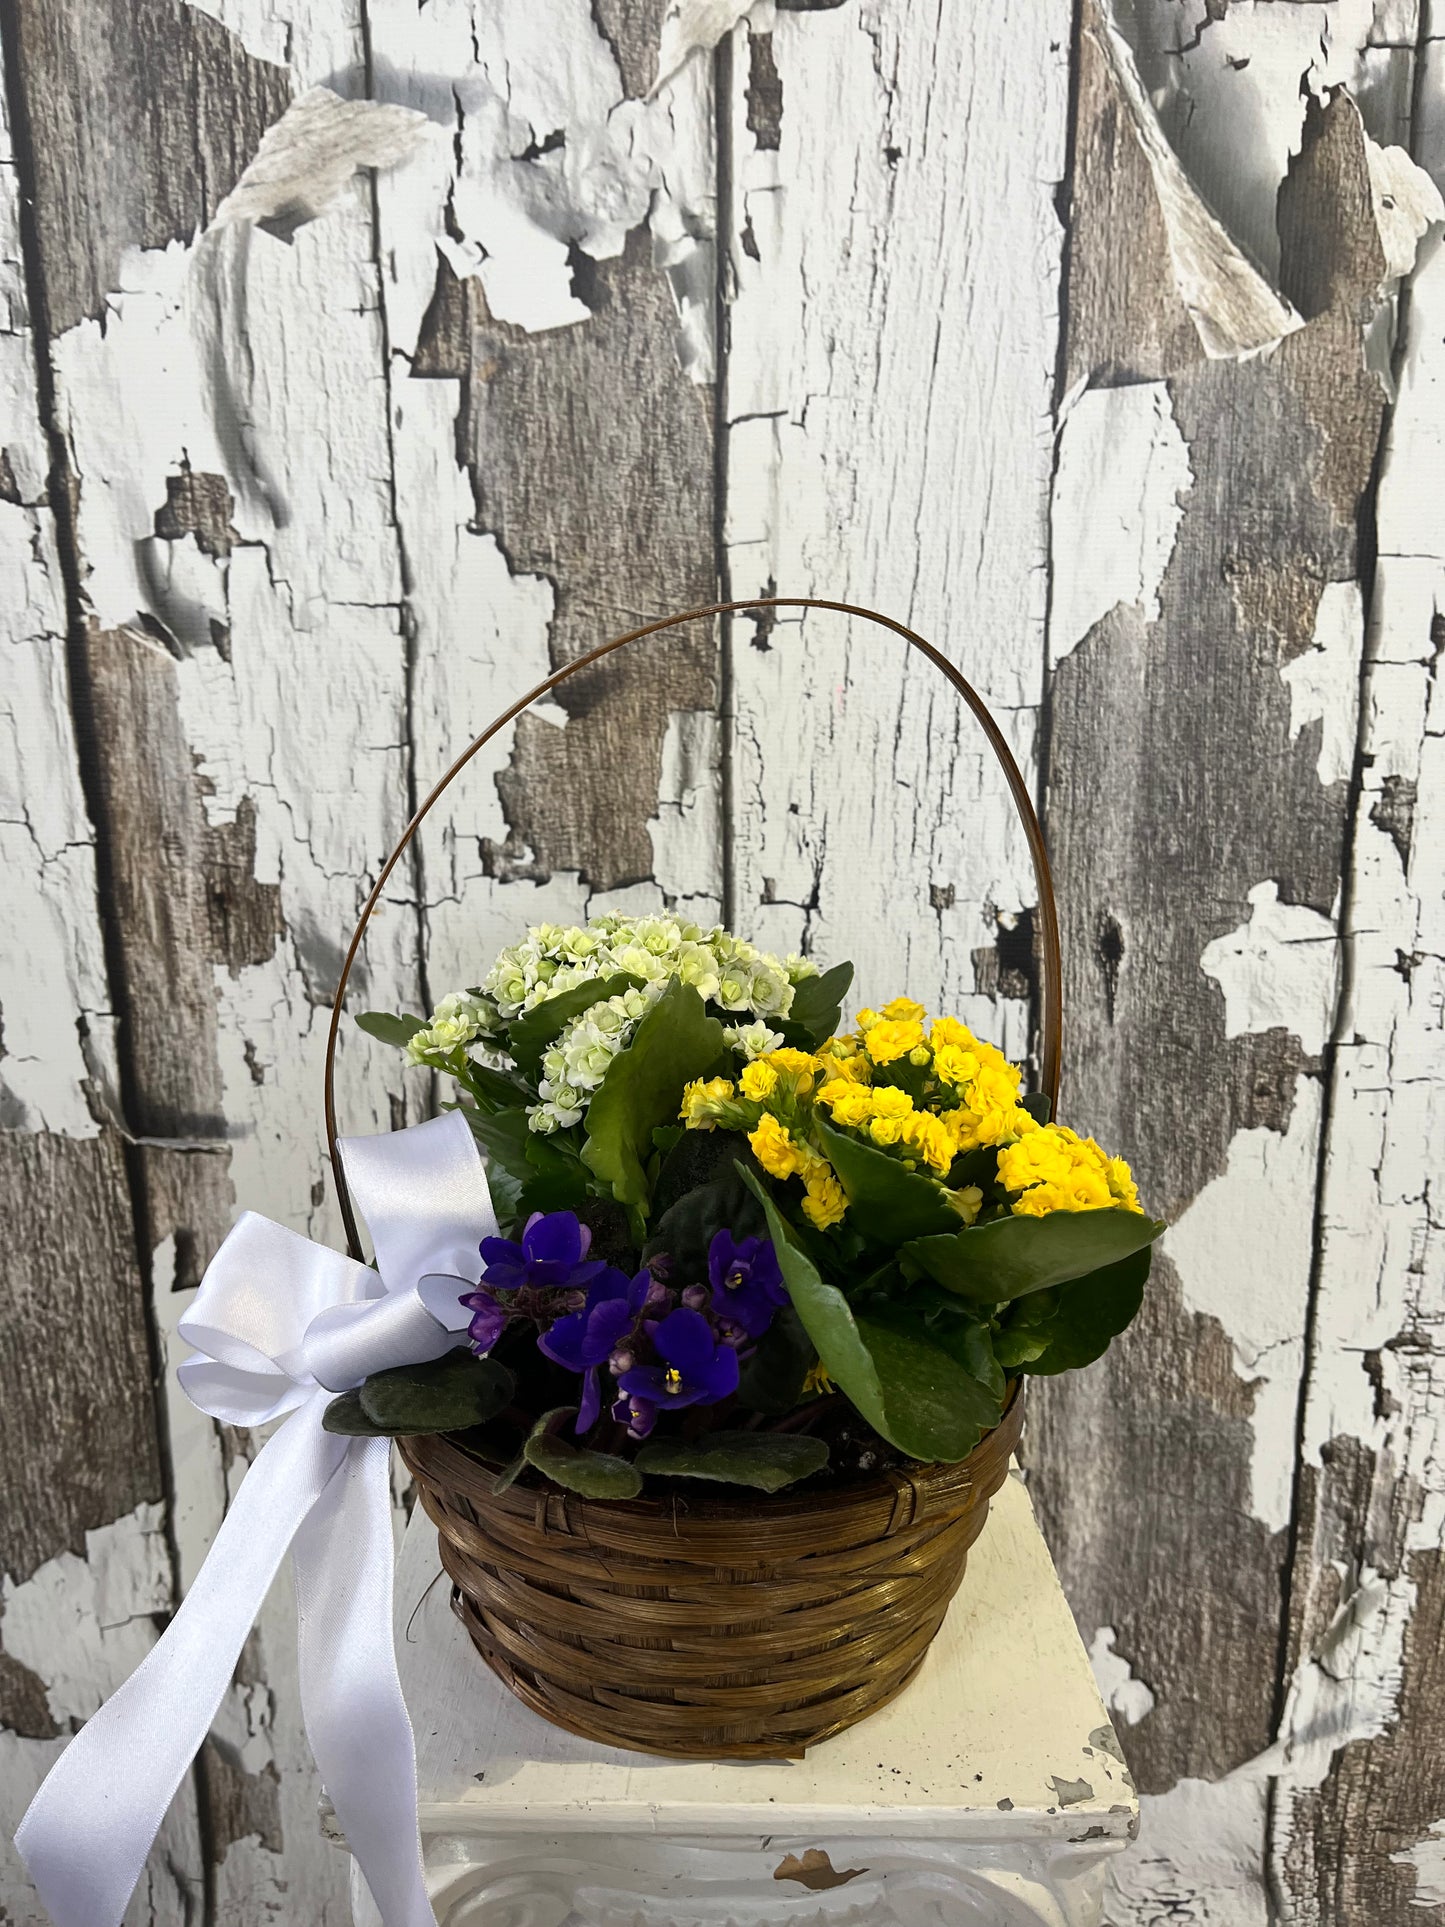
[[695, 1368], [747, 1283], [489, 1320], [639, 1415], [584, 1339], [552, 1255]]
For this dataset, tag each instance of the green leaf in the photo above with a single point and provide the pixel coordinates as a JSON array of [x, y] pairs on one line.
[[1020, 1333], [970, 1342], [344, 1415], [890, 1204], [825, 1316], [448, 1394], [771, 1380], [990, 1264], [531, 1036], [511, 1472], [596, 1475], [494, 1090], [908, 1389], [765, 1460], [673, 1043], [818, 1006], [936, 1408], [1091, 1311], [697, 1158], [390, 1029], [685, 1231], [1038, 1106]]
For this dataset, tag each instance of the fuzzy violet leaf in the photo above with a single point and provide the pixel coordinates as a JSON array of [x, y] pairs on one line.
[[596, 1475], [989, 1264], [766, 1460], [448, 1394], [675, 1042], [397, 1031]]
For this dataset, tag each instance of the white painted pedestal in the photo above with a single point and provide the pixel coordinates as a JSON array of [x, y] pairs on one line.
[[991, 1793]]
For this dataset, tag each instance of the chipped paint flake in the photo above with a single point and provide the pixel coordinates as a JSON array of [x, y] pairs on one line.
[[696, 26], [1242, 1251], [1324, 680], [308, 156], [1120, 1690], [1279, 971], [1427, 1857], [1235, 311], [1122, 471]]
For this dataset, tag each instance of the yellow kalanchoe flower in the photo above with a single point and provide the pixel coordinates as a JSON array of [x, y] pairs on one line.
[[759, 1080], [891, 1038], [826, 1202], [1054, 1169], [701, 1102], [774, 1148], [904, 1010]]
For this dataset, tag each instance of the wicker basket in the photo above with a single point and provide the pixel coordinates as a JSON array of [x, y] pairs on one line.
[[693, 1626], [708, 1629]]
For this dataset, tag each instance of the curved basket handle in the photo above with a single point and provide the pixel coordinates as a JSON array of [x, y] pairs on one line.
[[1051, 988]]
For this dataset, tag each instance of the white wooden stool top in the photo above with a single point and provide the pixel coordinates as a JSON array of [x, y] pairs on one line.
[[1001, 1736]]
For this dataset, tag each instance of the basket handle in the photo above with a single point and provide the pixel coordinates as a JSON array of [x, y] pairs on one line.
[[1051, 988]]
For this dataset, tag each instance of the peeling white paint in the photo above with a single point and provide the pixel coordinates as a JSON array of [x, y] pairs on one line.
[[1198, 1859], [1279, 971], [1242, 1251], [56, 1031], [1427, 1857], [890, 441], [1124, 1694], [1122, 471], [307, 157], [552, 155], [696, 26], [1235, 310], [686, 833], [1324, 680]]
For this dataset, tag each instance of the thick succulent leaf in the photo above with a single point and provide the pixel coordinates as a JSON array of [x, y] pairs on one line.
[[448, 1394], [886, 1203], [531, 1036], [675, 1042], [596, 1475], [1091, 1311], [818, 1006], [907, 1388], [766, 1460], [494, 1090], [936, 1408], [970, 1342], [389, 1028], [771, 1380], [989, 1264], [825, 1316]]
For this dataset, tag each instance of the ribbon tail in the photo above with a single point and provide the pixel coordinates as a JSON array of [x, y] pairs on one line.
[[89, 1829], [356, 1719]]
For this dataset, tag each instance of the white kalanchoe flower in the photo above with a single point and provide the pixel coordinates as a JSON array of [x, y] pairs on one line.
[[753, 1040]]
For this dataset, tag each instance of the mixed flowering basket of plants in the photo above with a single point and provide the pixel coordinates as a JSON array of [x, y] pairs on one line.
[[746, 1242]]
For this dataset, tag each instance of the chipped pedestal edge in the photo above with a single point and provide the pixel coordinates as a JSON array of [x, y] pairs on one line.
[[992, 1791]]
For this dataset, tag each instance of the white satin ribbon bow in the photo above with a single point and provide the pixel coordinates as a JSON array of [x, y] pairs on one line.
[[281, 1325]]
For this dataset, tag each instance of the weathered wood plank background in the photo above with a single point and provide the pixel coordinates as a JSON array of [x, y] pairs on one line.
[[1106, 346]]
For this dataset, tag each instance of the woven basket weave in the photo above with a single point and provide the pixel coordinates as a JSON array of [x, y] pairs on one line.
[[701, 1628]]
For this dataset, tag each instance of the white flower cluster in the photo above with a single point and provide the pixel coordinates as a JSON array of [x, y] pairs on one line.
[[736, 976], [457, 1021]]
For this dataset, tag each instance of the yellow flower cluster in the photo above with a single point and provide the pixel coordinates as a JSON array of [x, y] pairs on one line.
[[927, 1093], [769, 1102], [1054, 1169]]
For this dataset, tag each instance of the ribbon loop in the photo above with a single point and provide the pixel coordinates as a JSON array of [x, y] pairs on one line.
[[279, 1325]]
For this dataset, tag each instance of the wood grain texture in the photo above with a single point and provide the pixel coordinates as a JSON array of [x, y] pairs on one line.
[[791, 322]]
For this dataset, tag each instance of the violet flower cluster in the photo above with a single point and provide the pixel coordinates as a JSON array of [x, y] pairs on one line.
[[665, 1349]]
